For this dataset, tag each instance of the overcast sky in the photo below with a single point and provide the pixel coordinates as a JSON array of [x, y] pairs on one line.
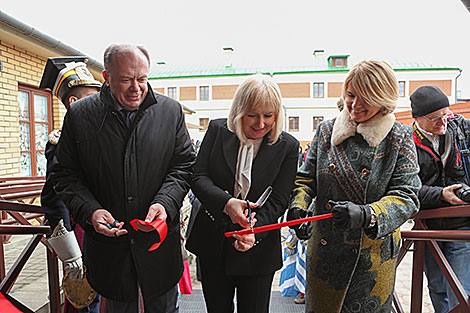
[[264, 32]]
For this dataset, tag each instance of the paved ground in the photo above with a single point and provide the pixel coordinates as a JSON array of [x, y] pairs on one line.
[[31, 288]]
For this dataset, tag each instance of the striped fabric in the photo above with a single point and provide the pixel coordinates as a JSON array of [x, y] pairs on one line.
[[292, 280]]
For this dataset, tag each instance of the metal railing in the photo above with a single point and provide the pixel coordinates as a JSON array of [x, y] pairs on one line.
[[420, 236]]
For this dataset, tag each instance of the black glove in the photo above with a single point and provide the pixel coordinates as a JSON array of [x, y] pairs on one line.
[[349, 215], [304, 230]]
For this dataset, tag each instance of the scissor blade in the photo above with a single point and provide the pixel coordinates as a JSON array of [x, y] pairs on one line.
[[262, 200]]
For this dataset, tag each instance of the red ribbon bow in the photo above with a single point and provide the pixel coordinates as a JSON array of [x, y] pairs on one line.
[[159, 225]]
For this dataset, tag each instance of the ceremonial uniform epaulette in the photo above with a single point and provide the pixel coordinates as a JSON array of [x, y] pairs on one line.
[[54, 136]]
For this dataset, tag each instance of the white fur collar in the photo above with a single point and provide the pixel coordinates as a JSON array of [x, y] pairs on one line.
[[373, 130]]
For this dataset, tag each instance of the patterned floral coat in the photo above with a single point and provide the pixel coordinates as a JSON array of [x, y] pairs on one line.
[[371, 163]]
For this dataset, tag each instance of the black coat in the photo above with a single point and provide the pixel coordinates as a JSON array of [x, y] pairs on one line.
[[213, 184], [54, 208], [103, 164], [435, 176]]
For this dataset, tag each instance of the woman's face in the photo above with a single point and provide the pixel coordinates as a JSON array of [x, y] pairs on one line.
[[258, 122], [359, 110]]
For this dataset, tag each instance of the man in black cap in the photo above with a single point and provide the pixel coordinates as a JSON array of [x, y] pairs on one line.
[[69, 79], [440, 137]]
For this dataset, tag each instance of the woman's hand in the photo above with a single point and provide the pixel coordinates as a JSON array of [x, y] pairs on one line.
[[238, 212], [244, 243]]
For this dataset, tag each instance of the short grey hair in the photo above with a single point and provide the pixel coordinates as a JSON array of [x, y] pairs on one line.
[[114, 49]]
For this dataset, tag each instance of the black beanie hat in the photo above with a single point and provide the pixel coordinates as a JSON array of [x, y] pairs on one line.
[[427, 99]]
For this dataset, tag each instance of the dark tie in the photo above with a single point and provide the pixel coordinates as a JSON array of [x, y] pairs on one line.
[[128, 115]]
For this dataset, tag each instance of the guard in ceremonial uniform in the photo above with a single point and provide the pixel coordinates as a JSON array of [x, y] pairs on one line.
[[69, 80]]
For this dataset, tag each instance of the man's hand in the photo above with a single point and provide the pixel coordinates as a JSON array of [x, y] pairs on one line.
[[238, 212], [156, 210], [448, 195], [102, 216]]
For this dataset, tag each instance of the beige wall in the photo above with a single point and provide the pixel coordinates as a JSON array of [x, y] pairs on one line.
[[335, 90], [160, 90], [225, 92], [444, 85], [295, 90], [187, 93]]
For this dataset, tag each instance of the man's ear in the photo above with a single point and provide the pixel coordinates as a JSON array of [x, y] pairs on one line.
[[106, 78], [72, 99]]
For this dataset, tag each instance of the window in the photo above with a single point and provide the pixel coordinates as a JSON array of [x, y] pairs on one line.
[[204, 93], [401, 84], [293, 123], [35, 108], [316, 121], [318, 90], [172, 92], [339, 61], [203, 123]]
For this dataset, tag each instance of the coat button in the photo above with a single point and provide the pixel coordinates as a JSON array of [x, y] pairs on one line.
[[132, 241], [365, 172], [129, 198], [354, 250], [323, 242], [328, 206], [332, 166]]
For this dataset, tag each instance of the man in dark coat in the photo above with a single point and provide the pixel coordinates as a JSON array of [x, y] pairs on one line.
[[125, 154], [438, 135]]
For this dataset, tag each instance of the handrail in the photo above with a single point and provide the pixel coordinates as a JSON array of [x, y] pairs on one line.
[[38, 232], [420, 236]]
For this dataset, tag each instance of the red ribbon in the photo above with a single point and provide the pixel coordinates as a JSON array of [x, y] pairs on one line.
[[6, 306], [159, 225], [278, 225]]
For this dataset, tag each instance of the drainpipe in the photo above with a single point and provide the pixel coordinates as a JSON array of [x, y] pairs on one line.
[[41, 39], [460, 73]]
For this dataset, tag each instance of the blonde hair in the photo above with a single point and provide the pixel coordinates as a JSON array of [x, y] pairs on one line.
[[258, 91], [375, 83]]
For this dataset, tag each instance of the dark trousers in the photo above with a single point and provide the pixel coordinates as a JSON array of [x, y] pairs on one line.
[[166, 303], [252, 292]]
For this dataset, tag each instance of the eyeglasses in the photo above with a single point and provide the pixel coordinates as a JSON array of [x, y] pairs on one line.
[[436, 119]]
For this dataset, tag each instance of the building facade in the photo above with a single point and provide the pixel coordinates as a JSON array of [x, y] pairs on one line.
[[27, 114], [310, 93]]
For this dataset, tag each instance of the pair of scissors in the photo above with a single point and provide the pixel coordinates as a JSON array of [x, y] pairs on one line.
[[260, 202], [109, 225]]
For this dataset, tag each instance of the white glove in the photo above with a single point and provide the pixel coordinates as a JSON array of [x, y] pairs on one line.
[[65, 244]]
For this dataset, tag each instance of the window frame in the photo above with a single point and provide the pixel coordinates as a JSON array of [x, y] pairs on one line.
[[322, 90], [203, 126], [316, 120], [294, 118], [31, 91], [173, 94], [400, 82], [203, 93]]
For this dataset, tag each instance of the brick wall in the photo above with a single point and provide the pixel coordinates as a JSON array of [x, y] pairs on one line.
[[19, 67]]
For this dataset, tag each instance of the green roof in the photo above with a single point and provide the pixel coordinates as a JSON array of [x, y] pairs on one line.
[[168, 71]]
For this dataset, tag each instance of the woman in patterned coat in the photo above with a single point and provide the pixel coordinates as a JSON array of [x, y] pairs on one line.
[[362, 167]]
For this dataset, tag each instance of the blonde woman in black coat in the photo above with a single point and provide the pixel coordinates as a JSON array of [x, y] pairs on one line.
[[239, 158]]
